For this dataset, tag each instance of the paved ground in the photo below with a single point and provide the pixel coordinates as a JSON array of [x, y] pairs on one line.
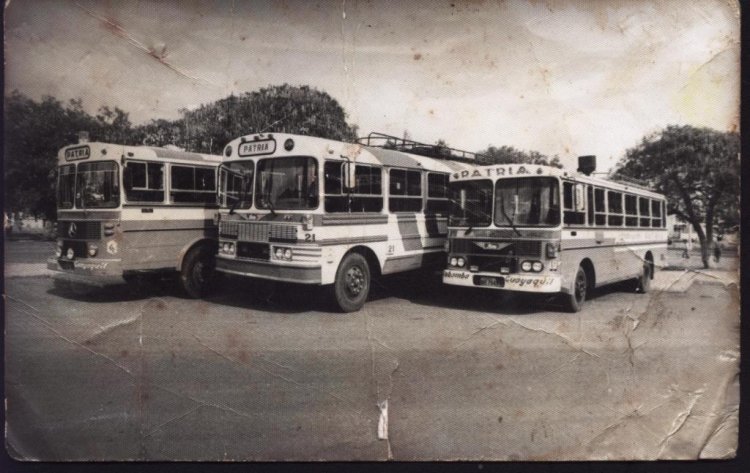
[[267, 372]]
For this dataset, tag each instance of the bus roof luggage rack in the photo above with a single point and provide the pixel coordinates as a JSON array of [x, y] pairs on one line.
[[630, 181], [381, 140]]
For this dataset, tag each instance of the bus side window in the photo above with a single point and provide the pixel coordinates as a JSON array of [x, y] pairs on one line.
[[590, 204], [405, 191], [663, 214], [437, 193], [144, 182], [367, 195], [600, 211], [191, 184], [335, 200], [571, 216], [655, 213], [644, 210], [614, 200], [631, 211]]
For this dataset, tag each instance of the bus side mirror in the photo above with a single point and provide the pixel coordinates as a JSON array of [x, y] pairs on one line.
[[580, 198]]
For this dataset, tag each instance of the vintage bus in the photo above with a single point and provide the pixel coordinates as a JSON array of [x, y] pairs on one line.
[[314, 211], [129, 212], [541, 229]]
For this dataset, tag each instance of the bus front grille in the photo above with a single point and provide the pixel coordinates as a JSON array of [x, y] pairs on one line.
[[253, 231], [253, 250], [283, 233], [495, 264], [229, 229], [80, 230], [529, 248]]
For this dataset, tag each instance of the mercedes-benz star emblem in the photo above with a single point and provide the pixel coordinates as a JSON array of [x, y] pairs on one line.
[[72, 230]]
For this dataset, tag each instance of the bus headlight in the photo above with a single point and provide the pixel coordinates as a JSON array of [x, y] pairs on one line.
[[109, 229], [461, 262], [537, 266], [58, 249], [526, 266], [70, 253], [92, 249], [282, 253], [454, 261], [227, 248]]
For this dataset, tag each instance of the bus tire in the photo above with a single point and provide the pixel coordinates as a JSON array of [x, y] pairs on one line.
[[643, 282], [198, 272], [574, 300], [352, 284]]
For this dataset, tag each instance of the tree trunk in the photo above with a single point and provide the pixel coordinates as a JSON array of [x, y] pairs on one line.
[[706, 249], [704, 244]]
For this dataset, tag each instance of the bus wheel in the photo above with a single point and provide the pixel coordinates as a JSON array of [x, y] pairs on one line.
[[352, 283], [643, 282], [197, 274], [574, 301]]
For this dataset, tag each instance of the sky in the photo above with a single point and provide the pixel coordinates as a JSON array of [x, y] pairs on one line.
[[564, 78]]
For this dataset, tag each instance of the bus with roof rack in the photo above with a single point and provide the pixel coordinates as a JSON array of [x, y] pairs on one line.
[[127, 213], [538, 229], [314, 211]]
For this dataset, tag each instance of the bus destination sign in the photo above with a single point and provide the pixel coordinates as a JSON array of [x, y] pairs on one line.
[[256, 148], [77, 153]]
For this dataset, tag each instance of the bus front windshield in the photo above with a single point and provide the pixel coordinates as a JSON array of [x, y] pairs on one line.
[[527, 201], [287, 184], [66, 186], [470, 203], [236, 184], [97, 185]]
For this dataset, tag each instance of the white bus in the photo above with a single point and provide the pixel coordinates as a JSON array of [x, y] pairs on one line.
[[315, 211], [127, 212], [541, 229]]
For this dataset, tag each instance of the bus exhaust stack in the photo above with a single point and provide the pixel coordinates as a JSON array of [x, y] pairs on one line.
[[587, 164]]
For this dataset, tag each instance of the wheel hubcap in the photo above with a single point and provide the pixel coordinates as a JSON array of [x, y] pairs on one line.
[[580, 287], [355, 280], [199, 272]]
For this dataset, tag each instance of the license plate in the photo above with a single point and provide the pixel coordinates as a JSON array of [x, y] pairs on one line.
[[69, 265], [491, 281]]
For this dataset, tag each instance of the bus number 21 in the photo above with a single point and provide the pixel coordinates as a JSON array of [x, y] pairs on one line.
[[309, 237]]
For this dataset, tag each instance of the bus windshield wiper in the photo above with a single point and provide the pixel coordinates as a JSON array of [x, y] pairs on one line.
[[505, 215], [234, 205], [269, 204]]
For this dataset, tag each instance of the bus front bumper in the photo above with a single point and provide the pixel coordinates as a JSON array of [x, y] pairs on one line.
[[97, 272], [509, 282], [268, 270]]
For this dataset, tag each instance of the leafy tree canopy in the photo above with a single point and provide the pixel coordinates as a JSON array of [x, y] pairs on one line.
[[510, 155], [697, 169], [35, 131]]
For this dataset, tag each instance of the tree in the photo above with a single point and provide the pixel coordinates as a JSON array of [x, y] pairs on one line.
[[510, 155], [282, 108], [697, 169], [34, 132]]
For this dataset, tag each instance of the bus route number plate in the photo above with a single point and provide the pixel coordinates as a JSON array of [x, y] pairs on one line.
[[255, 148]]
